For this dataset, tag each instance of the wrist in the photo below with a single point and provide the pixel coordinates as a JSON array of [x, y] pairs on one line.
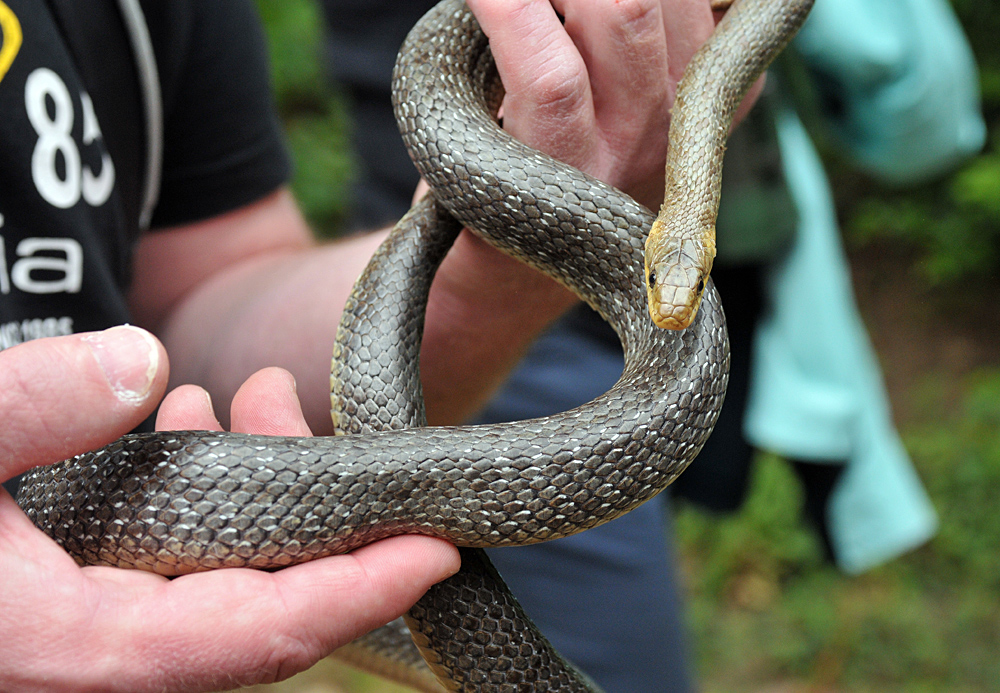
[[485, 309], [484, 281]]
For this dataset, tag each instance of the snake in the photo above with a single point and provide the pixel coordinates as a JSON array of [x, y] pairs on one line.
[[680, 247], [177, 502]]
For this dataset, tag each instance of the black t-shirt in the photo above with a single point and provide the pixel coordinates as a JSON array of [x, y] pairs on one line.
[[72, 147]]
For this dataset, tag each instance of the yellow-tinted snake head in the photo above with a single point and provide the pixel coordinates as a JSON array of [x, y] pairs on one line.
[[677, 270]]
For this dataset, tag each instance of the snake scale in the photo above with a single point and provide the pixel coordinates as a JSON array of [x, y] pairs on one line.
[[178, 502]]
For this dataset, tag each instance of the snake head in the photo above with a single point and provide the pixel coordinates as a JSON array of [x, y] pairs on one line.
[[677, 271]]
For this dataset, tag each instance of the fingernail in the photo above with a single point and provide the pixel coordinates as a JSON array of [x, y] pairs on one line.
[[129, 358]]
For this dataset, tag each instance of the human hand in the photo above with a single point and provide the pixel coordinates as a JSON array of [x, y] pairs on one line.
[[66, 628], [596, 89]]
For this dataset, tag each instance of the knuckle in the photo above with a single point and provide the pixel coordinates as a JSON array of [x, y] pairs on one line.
[[291, 647], [517, 14], [559, 87], [288, 656], [636, 17]]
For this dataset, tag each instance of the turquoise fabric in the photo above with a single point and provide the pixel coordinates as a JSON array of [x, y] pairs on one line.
[[909, 109], [906, 83]]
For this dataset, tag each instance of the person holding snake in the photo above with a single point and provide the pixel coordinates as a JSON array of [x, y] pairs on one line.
[[229, 281]]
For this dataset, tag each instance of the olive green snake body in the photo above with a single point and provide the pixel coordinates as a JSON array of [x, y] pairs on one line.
[[178, 502]]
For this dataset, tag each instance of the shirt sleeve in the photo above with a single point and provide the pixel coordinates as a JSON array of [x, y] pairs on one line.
[[223, 142]]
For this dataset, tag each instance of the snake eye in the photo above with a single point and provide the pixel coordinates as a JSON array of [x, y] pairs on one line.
[[701, 285], [652, 279]]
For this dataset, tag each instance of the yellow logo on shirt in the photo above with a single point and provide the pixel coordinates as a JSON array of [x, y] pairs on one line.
[[10, 38]]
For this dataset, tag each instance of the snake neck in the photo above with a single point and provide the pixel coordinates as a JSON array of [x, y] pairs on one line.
[[680, 248]]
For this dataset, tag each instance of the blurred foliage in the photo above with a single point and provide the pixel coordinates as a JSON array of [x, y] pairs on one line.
[[953, 223], [764, 606], [314, 113]]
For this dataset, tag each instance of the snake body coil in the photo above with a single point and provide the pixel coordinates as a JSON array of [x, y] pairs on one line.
[[178, 502]]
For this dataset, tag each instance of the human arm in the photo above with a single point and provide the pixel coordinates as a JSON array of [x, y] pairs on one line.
[[275, 298], [68, 628]]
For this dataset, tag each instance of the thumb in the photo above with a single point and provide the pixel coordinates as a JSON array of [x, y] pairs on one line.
[[66, 395]]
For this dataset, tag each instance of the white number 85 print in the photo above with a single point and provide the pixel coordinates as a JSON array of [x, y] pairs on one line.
[[55, 138]]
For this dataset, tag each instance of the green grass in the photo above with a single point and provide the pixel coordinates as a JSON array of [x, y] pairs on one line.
[[314, 113]]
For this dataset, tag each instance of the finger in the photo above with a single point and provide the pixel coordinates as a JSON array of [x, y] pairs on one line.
[[688, 24], [187, 408], [750, 99], [268, 404], [688, 27], [62, 396], [548, 97], [624, 47], [239, 627]]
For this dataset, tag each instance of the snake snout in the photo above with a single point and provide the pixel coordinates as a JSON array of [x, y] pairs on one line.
[[674, 295]]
